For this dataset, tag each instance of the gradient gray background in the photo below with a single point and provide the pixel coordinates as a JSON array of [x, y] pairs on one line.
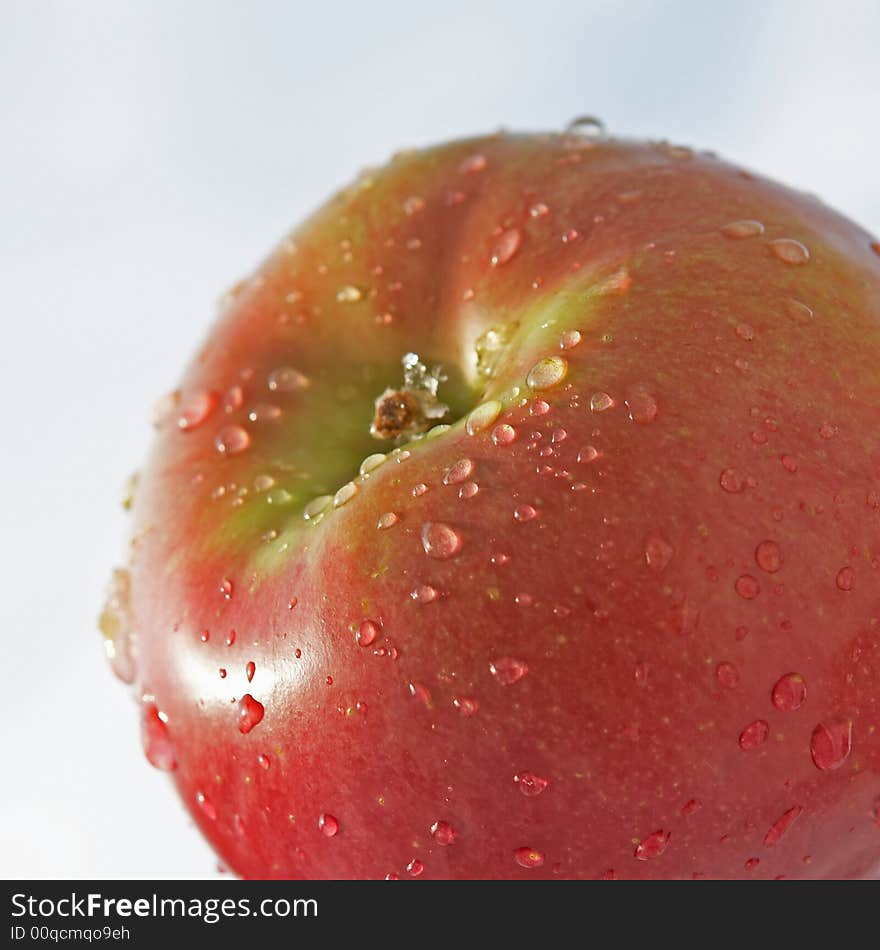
[[152, 152]]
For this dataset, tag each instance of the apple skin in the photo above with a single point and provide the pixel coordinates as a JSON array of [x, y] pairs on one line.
[[587, 692]]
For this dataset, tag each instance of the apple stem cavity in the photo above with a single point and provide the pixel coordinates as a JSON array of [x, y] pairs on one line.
[[405, 413]]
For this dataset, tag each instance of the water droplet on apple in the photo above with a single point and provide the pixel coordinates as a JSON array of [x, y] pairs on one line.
[[798, 311], [416, 868], [754, 734], [658, 552], [483, 416], [372, 462], [156, 740], [831, 743], [115, 624], [569, 339], [349, 294], [600, 402], [642, 405], [367, 633], [264, 412], [233, 398], [316, 507], [691, 807], [205, 806], [846, 578], [231, 440], [745, 332], [781, 825], [789, 463], [790, 251], [747, 587], [345, 494], [196, 409], [264, 762], [589, 453], [503, 434], [587, 126], [525, 513], [508, 243], [468, 490], [727, 675], [328, 825], [413, 205], [387, 520], [529, 784], [286, 379], [466, 705], [458, 472], [250, 713], [528, 858], [768, 556], [250, 670], [652, 846], [743, 229], [472, 164], [440, 541], [731, 480], [789, 692], [443, 833], [547, 373], [508, 670], [424, 594]]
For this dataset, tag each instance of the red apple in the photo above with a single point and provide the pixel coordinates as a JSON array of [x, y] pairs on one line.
[[617, 616]]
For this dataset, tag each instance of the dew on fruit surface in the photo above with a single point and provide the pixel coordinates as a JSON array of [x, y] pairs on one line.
[[524, 513], [547, 373], [286, 379], [196, 409], [781, 825], [231, 440], [263, 483], [250, 713], [458, 472], [443, 833], [238, 826], [831, 743], [846, 578], [827, 430], [372, 462], [413, 205], [528, 858], [747, 587], [506, 246], [316, 507], [768, 556], [226, 588], [731, 480], [752, 863], [529, 784], [483, 416], [558, 435], [468, 490], [798, 311], [233, 398], [439, 540], [743, 229], [570, 236], [600, 402], [115, 624], [345, 494], [754, 734], [589, 453], [789, 463], [367, 633], [652, 846], [790, 251], [691, 807], [165, 407], [466, 705], [745, 332], [586, 126], [727, 675], [539, 407], [230, 638], [472, 164], [503, 434], [789, 692], [641, 673], [328, 825], [642, 405], [421, 692], [349, 294], [206, 806], [264, 762], [424, 594], [658, 552], [250, 670], [387, 520], [508, 670], [156, 741], [569, 339], [264, 412], [416, 868]]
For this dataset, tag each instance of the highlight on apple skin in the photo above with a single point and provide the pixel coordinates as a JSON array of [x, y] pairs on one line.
[[520, 518]]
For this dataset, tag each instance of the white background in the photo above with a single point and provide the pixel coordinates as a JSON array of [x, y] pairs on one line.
[[152, 152]]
